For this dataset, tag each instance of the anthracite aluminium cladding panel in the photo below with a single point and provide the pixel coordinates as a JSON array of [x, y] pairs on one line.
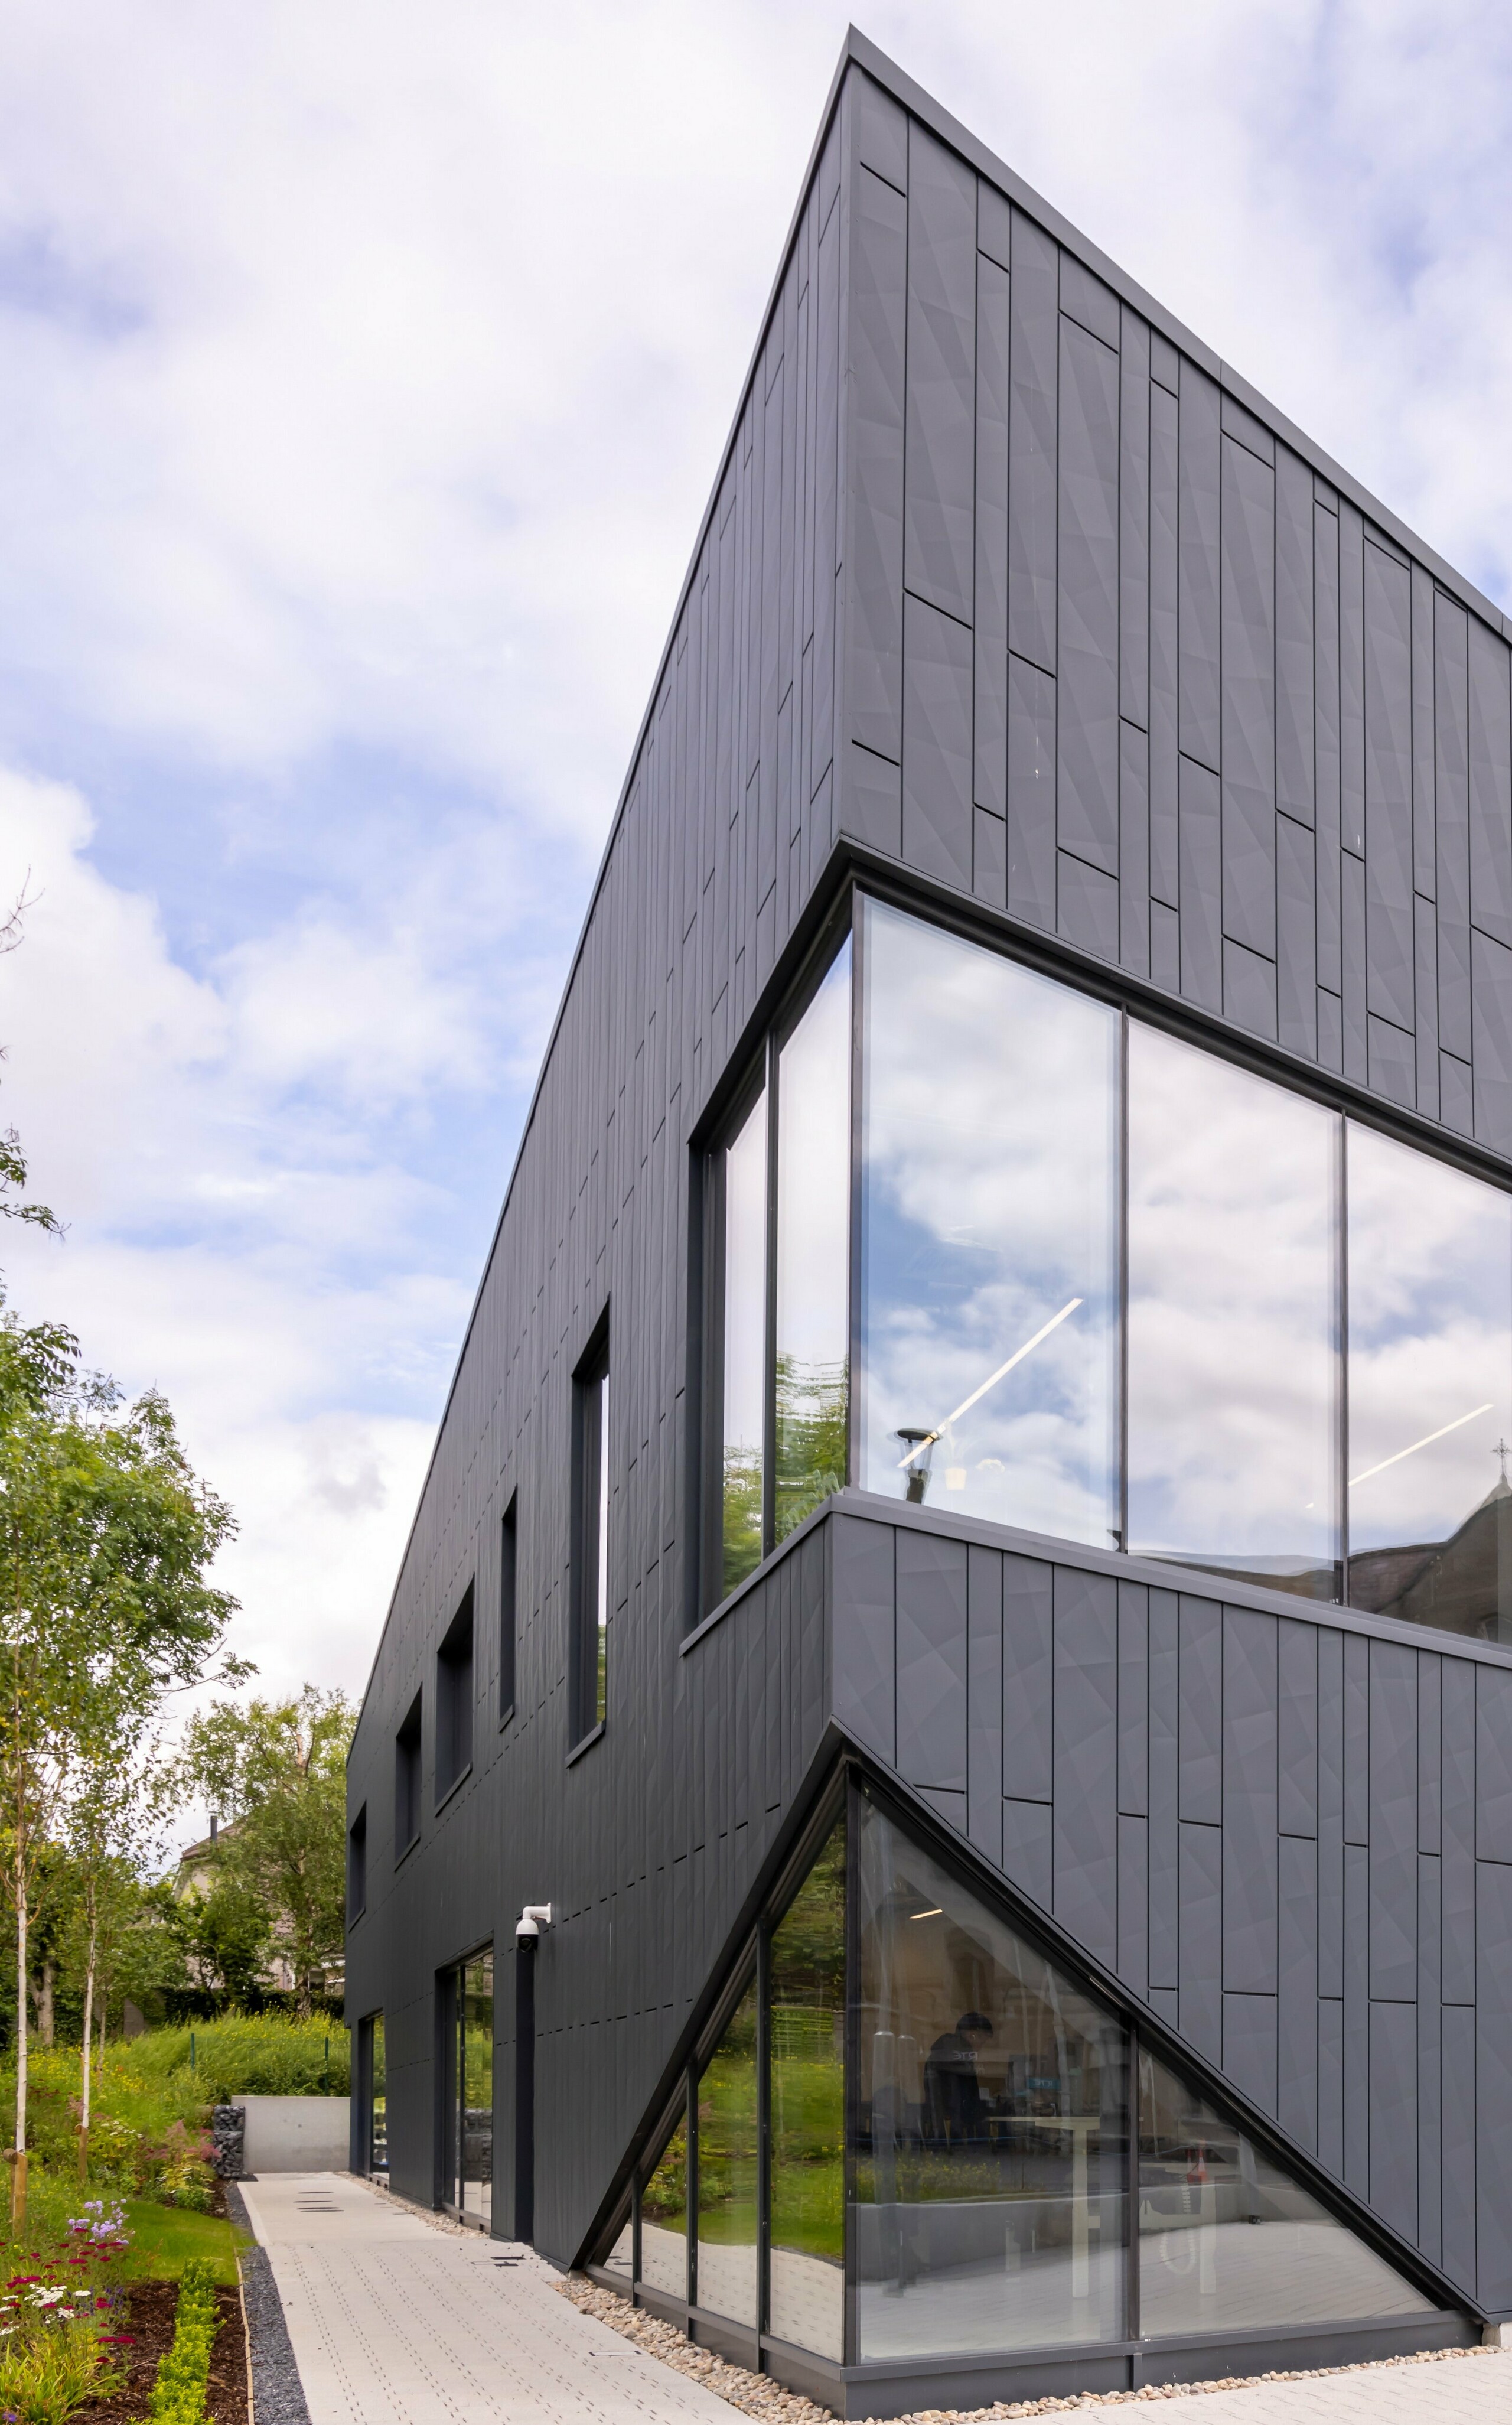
[[1009, 585]]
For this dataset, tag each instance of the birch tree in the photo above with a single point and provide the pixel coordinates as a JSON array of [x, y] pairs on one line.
[[105, 1538]]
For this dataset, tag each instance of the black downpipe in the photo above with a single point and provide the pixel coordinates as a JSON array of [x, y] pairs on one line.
[[525, 2089]]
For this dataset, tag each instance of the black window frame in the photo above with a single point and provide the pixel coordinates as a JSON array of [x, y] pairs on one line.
[[357, 1868], [509, 1607], [1133, 1004], [455, 1655], [591, 1577], [407, 1744]]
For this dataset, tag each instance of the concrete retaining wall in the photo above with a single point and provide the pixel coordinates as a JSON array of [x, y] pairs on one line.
[[297, 2134]]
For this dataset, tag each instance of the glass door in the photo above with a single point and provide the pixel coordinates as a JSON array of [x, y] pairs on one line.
[[376, 2085], [471, 2164]]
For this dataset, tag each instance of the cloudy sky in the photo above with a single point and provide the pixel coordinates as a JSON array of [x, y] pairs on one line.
[[362, 373]]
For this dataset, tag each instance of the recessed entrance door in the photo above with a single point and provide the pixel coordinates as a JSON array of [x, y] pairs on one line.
[[470, 2163]]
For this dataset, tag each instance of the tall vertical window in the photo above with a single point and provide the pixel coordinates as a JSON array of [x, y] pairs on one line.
[[990, 1204], [454, 1699], [591, 1587], [372, 2057], [407, 1781], [470, 2164], [728, 2165], [743, 1465], [807, 2088], [813, 1253], [664, 2217], [1233, 1320], [357, 1865], [508, 1610], [1430, 1390]]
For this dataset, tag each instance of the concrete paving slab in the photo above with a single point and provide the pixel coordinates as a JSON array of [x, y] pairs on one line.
[[395, 2323]]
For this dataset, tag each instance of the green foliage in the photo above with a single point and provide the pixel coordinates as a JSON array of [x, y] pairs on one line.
[[56, 2347], [263, 2055], [278, 1772], [813, 1453], [742, 1515], [184, 2370]]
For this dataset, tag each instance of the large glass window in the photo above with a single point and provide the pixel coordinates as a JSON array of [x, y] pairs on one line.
[[1430, 1390], [991, 2137], [813, 1252], [989, 1192], [664, 2217], [1233, 1320], [948, 2116], [727, 2170], [1103, 1292], [743, 1467], [375, 2062], [1228, 2241], [807, 2038]]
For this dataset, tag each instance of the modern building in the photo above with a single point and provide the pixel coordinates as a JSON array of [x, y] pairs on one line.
[[968, 1559]]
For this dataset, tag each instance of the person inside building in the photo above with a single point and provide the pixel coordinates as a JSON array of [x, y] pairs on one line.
[[955, 2110]]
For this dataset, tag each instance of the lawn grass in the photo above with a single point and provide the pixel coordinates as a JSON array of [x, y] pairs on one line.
[[164, 2237]]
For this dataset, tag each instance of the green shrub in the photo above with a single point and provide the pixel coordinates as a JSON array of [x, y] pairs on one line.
[[246, 2054], [184, 2370]]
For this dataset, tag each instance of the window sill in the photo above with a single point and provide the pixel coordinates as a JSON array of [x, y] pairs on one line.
[[457, 1781], [504, 1716], [354, 1917], [400, 1858], [586, 1744]]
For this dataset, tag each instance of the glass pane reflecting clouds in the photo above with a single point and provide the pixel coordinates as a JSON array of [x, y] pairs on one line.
[[989, 1225], [989, 2167], [744, 1347], [813, 1251], [1227, 2239], [1233, 1329], [1430, 1390]]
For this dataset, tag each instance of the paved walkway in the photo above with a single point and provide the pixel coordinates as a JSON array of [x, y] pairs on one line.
[[393, 2321]]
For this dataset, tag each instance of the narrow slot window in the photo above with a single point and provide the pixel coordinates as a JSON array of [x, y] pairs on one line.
[[743, 1465], [454, 1700], [508, 1606], [590, 1595], [357, 1866], [407, 1781]]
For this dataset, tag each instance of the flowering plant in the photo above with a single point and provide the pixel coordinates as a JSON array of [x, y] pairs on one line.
[[55, 2348]]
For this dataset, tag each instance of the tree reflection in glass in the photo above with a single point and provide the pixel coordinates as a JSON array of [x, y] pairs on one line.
[[991, 2109], [1232, 1322], [988, 1235], [813, 1252], [664, 2218], [744, 1347], [1430, 1390], [806, 2296], [727, 2279]]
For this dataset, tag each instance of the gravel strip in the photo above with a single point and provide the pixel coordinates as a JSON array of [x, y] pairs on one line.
[[758, 2396], [278, 2394]]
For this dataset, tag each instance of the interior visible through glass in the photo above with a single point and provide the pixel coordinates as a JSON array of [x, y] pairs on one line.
[[1228, 2241], [378, 2098], [474, 2089], [992, 2141], [744, 1349], [807, 2039], [1232, 1341], [727, 2166], [989, 1205], [813, 1252], [1430, 1390], [664, 2218]]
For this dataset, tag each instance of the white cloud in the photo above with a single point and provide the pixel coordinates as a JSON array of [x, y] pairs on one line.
[[366, 372]]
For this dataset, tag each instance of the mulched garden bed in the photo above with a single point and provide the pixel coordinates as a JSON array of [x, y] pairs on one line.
[[147, 2312]]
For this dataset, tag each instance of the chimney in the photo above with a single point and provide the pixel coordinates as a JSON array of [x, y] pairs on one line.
[[215, 1825]]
